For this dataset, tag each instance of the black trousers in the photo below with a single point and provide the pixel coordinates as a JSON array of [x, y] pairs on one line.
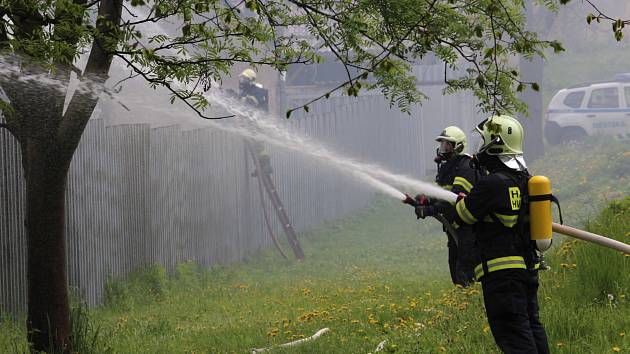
[[462, 259], [511, 301]]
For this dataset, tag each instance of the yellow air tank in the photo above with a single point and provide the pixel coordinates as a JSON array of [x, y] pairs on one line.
[[539, 188]]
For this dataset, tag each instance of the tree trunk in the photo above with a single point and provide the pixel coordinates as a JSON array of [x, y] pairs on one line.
[[48, 323], [48, 139]]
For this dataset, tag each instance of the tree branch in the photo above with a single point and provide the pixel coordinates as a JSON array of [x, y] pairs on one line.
[[384, 54], [170, 88], [84, 99]]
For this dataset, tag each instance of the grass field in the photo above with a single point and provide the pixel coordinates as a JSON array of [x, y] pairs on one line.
[[377, 275]]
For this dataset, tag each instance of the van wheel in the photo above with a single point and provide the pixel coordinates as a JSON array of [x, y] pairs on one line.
[[573, 135]]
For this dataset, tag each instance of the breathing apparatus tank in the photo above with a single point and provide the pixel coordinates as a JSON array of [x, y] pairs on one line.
[[539, 188]]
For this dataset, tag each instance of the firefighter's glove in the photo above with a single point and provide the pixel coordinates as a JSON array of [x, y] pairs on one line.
[[422, 211], [422, 199]]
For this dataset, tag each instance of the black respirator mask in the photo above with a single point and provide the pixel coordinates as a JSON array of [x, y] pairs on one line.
[[443, 152], [244, 84]]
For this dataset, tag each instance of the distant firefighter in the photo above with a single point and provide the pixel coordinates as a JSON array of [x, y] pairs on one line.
[[251, 91], [254, 94]]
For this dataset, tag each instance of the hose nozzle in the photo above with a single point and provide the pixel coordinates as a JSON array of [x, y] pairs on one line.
[[410, 200]]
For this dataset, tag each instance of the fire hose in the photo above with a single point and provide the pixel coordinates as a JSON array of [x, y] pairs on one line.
[[591, 237], [558, 228]]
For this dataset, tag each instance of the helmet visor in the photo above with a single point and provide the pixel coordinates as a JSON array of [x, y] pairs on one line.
[[445, 148], [482, 145], [478, 142]]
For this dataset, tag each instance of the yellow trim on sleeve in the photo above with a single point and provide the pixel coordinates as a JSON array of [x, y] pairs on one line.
[[507, 220], [464, 213], [461, 181]]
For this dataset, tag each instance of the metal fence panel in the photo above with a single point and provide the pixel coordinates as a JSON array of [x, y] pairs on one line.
[[138, 195]]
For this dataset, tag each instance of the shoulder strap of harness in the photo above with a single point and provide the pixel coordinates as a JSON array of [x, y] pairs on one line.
[[552, 198], [519, 229]]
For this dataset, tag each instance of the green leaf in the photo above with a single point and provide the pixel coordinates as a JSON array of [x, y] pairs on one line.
[[186, 30], [478, 31], [557, 46], [251, 5], [481, 81], [201, 7], [488, 53], [535, 87]]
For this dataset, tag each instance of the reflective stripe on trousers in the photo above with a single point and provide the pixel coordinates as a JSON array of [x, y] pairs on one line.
[[509, 262]]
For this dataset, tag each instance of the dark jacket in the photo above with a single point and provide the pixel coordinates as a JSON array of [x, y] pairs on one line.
[[494, 206]]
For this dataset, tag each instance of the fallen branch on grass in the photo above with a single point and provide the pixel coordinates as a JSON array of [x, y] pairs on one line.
[[380, 346], [294, 343]]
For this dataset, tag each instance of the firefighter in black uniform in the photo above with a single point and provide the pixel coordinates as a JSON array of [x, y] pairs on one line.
[[508, 270], [454, 173], [254, 94]]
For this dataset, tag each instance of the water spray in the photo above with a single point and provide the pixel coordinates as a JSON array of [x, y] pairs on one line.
[[259, 125]]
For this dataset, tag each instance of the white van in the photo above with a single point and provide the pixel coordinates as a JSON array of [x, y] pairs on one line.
[[590, 109]]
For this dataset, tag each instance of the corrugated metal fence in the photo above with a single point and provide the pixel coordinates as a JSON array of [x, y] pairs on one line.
[[140, 195]]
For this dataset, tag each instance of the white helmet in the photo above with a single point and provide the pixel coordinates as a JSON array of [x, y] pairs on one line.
[[248, 74], [455, 136], [503, 136]]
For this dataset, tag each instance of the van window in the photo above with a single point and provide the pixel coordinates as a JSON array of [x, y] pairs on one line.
[[574, 99], [604, 98], [626, 91]]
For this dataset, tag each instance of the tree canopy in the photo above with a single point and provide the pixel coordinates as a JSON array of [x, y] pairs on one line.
[[196, 42]]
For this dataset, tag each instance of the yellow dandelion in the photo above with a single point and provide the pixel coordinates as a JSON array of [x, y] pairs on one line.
[[355, 321], [559, 344], [621, 334], [616, 349], [486, 329]]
